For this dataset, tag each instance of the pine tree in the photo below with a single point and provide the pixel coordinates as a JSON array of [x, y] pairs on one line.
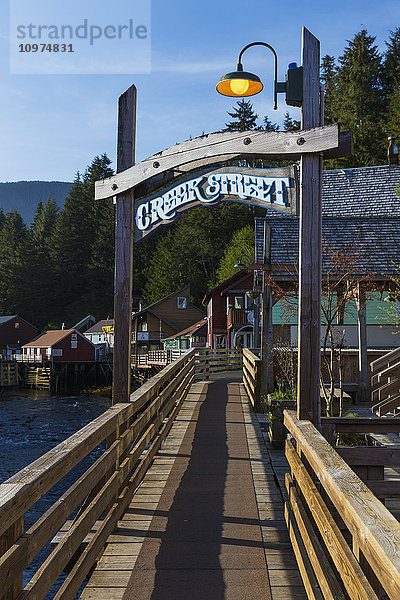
[[240, 248], [359, 101], [75, 251], [328, 78], [290, 124], [14, 277], [391, 79], [268, 125], [391, 64], [243, 116], [42, 296]]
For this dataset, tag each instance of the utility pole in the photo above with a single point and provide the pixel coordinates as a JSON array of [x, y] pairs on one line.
[[267, 366], [310, 249], [124, 252]]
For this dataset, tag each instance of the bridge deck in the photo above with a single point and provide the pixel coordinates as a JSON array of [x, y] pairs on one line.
[[207, 521]]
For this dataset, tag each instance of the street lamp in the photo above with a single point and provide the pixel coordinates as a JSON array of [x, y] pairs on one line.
[[241, 83]]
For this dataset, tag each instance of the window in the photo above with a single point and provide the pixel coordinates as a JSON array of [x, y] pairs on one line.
[[57, 352], [16, 325], [239, 302], [182, 300], [74, 343], [74, 336]]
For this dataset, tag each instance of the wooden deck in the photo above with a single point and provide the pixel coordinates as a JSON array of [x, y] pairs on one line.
[[208, 519]]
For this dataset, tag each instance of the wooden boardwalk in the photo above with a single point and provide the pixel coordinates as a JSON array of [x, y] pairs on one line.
[[208, 519]]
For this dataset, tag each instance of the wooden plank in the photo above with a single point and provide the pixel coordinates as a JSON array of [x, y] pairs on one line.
[[388, 405], [310, 251], [363, 424], [327, 581], [24, 488], [14, 585], [303, 562], [385, 361], [361, 305], [367, 455], [124, 252], [352, 575], [225, 144], [384, 488], [362, 512]]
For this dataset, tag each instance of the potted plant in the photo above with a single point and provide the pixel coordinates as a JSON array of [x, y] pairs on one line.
[[274, 405]]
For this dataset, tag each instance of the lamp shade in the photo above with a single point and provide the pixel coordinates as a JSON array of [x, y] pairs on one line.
[[239, 84]]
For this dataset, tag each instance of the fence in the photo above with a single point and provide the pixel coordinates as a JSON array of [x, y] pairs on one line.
[[327, 502], [133, 433], [210, 360], [385, 382], [252, 377]]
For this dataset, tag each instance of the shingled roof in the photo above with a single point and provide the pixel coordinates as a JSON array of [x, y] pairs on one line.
[[360, 209]]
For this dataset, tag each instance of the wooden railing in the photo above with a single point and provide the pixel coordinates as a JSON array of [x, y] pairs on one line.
[[327, 503], [209, 360], [385, 382], [252, 377], [133, 433], [236, 317]]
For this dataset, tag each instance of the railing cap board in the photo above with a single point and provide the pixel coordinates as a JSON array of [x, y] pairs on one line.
[[363, 424], [367, 518], [385, 360], [22, 490], [151, 387]]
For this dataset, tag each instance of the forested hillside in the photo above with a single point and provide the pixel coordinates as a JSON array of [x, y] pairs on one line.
[[60, 268], [25, 195]]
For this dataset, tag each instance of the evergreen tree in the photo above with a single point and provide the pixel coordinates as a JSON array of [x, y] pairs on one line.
[[290, 124], [240, 248], [391, 79], [391, 64], [75, 246], [192, 249], [328, 78], [359, 102], [15, 280], [42, 295], [268, 125], [243, 116]]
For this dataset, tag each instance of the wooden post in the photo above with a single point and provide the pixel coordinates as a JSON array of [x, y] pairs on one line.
[[308, 370], [124, 252], [8, 539], [362, 342], [267, 367]]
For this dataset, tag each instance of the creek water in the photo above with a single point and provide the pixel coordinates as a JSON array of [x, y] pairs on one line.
[[33, 422]]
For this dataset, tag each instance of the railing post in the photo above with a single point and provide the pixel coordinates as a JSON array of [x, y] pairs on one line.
[[8, 539]]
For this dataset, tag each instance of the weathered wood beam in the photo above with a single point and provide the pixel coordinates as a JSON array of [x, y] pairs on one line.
[[310, 250], [285, 144], [124, 252], [361, 304]]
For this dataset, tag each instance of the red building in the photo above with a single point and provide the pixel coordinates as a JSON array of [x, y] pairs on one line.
[[228, 310], [14, 332], [60, 345]]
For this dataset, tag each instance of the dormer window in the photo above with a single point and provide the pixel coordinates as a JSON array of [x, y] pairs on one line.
[[182, 302]]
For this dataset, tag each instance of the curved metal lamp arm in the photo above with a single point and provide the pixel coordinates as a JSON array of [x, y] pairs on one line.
[[275, 65]]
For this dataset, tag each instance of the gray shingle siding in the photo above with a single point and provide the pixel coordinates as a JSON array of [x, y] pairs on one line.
[[360, 209]]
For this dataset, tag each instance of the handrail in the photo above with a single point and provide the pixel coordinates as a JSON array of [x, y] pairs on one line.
[[375, 531], [385, 382], [216, 360], [134, 432], [252, 377]]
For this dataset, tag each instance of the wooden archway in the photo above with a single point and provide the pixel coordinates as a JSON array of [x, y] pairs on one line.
[[310, 145]]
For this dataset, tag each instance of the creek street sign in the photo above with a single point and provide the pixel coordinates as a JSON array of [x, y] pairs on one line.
[[272, 188]]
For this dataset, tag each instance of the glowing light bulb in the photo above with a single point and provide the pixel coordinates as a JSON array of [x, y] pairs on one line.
[[239, 86]]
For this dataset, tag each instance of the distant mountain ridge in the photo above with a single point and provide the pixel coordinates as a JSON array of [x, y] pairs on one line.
[[25, 195]]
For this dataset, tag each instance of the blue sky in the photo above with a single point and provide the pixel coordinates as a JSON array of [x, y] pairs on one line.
[[53, 125]]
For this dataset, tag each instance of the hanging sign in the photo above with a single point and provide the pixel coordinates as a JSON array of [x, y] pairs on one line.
[[272, 188]]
